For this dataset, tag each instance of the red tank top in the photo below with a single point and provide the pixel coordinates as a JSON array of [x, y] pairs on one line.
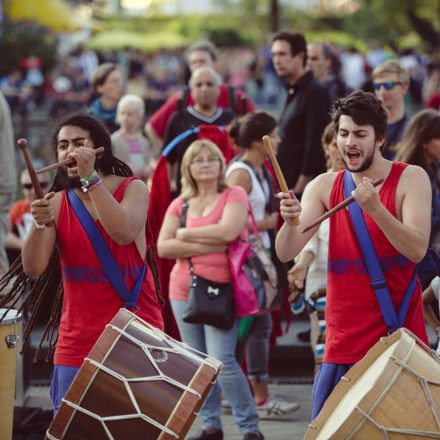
[[353, 316], [90, 301]]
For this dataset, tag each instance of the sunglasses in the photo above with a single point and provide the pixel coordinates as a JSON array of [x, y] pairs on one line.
[[28, 186], [388, 85]]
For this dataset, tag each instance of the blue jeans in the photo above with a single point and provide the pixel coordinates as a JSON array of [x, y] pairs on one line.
[[220, 344], [62, 377], [327, 378], [257, 348]]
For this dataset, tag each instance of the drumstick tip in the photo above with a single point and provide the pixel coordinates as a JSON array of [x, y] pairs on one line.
[[22, 143]]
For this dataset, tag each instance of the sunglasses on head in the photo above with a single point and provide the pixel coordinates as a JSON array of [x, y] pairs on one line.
[[388, 85], [28, 186]]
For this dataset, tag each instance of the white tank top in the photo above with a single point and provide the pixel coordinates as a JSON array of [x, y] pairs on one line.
[[258, 197]]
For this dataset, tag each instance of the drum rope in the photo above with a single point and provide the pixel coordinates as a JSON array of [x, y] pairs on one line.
[[162, 377], [120, 417], [425, 385], [386, 431], [144, 346], [209, 361]]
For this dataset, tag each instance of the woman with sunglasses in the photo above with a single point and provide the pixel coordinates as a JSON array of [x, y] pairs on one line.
[[421, 146], [20, 217], [216, 215]]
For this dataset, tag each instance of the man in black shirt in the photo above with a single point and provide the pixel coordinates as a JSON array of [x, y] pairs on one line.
[[205, 88], [305, 115]]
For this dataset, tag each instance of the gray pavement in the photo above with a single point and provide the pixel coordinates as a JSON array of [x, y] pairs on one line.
[[288, 427]]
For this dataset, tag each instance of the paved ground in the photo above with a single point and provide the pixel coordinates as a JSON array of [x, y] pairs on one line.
[[288, 427]]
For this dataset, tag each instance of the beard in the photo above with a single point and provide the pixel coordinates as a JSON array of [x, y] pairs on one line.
[[68, 182], [366, 163]]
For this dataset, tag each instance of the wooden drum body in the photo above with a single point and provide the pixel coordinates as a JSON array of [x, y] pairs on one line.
[[392, 393], [136, 383], [8, 356]]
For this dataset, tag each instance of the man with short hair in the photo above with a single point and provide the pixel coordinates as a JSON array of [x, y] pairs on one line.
[[319, 61], [397, 214], [205, 84], [199, 54], [305, 113], [391, 84]]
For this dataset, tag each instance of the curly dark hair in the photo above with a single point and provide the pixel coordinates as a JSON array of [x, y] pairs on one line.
[[50, 280], [365, 109]]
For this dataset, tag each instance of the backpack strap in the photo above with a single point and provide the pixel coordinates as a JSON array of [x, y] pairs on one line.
[[232, 98], [104, 255], [378, 283]]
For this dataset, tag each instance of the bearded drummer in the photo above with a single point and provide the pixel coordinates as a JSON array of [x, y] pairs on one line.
[[117, 204], [397, 214]]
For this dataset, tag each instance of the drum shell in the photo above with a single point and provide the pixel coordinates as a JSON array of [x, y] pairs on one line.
[[105, 395], [395, 400], [8, 355]]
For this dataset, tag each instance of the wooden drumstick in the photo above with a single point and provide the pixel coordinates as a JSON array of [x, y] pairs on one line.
[[281, 181], [64, 162], [22, 144], [337, 208]]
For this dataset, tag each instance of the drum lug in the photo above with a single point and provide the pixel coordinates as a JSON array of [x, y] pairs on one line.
[[11, 341]]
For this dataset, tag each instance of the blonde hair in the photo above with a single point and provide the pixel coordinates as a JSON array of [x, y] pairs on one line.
[[392, 66], [189, 185], [134, 101]]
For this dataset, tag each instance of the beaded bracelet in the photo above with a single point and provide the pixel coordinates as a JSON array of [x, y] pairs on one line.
[[86, 181], [92, 185]]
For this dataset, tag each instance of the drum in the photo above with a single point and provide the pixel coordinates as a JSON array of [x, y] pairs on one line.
[[8, 355], [136, 383], [392, 393]]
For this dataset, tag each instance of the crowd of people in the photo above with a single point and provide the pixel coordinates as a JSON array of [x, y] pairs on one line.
[[347, 119]]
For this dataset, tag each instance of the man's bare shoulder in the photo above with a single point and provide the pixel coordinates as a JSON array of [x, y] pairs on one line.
[[321, 186], [413, 176], [322, 182]]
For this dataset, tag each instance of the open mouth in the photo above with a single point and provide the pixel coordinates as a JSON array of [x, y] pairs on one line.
[[72, 167], [353, 155]]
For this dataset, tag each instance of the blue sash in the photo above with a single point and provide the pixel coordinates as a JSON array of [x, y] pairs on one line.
[[393, 321], [104, 255]]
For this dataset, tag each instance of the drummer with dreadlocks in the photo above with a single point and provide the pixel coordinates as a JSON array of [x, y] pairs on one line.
[[100, 193]]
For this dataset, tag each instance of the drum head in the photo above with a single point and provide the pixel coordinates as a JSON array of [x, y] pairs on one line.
[[9, 316], [356, 393]]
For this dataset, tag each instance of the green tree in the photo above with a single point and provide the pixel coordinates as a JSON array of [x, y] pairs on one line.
[[388, 21]]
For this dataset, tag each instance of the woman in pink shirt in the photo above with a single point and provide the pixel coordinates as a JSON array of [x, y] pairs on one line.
[[216, 215]]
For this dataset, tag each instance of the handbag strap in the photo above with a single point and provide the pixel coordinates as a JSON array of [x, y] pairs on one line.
[[378, 283], [104, 255], [183, 215], [260, 180]]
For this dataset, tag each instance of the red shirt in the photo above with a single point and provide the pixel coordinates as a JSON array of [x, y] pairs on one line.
[[19, 208], [160, 118], [90, 301], [354, 318]]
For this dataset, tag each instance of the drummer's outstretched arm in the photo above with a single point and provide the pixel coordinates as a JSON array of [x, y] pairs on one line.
[[290, 240], [40, 242]]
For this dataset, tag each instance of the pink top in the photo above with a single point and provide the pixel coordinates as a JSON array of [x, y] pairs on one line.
[[212, 266]]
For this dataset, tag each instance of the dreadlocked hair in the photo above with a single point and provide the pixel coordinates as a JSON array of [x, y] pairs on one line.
[[50, 281]]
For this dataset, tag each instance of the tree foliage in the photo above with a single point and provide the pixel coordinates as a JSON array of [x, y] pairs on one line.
[[389, 21], [20, 40]]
